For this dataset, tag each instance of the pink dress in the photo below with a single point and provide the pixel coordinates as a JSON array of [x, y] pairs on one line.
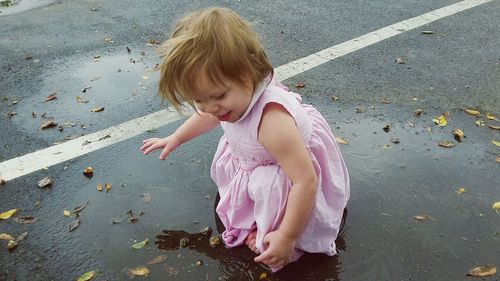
[[253, 187]]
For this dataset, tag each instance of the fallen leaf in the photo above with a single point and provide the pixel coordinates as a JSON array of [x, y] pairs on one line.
[[141, 244], [446, 144], [263, 275], [496, 206], [385, 101], [440, 121], [386, 128], [8, 214], [80, 207], [498, 159], [25, 219], [11, 245], [140, 271], [107, 187], [50, 97], [472, 112], [21, 236], [490, 116], [99, 187], [494, 127], [427, 32], [418, 112], [458, 135], [128, 50], [482, 271], [86, 276], [132, 218], [88, 172], [75, 223], [387, 146], [48, 124], [422, 217], [147, 197], [395, 140], [461, 190], [411, 124], [97, 109], [97, 56], [84, 90], [45, 182], [145, 78], [214, 241], [299, 85], [496, 143], [400, 60], [80, 100], [66, 213], [5, 236], [340, 140], [335, 98], [479, 123], [158, 259]]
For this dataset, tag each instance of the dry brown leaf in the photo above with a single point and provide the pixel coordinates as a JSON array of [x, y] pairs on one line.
[[50, 97], [335, 98], [422, 217], [418, 112], [25, 219], [97, 109], [75, 223], [158, 259], [299, 85], [386, 128], [80, 207], [446, 144], [88, 172], [458, 135], [490, 116], [45, 182], [11, 245], [482, 271], [494, 127], [48, 124]]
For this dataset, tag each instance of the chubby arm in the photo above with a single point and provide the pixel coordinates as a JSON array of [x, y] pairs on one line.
[[279, 134], [196, 125]]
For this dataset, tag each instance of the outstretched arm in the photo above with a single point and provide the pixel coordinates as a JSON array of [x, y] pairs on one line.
[[196, 125], [279, 134]]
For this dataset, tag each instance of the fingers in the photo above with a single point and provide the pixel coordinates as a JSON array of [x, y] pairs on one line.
[[151, 146], [164, 153]]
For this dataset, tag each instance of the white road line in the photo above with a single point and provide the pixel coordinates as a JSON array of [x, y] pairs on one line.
[[56, 154]]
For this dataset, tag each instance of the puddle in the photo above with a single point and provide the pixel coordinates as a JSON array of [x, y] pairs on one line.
[[10, 7], [118, 82]]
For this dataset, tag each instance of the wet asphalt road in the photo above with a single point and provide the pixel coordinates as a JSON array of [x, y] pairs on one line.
[[455, 68]]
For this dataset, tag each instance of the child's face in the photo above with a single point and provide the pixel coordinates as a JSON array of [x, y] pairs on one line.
[[227, 101]]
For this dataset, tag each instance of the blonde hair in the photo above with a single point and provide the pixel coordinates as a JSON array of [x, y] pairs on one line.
[[216, 42]]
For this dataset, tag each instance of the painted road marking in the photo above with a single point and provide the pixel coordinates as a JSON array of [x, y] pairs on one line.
[[56, 154]]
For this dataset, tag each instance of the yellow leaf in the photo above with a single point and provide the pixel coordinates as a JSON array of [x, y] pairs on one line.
[[490, 116], [497, 143], [67, 213], [481, 271], [496, 205], [440, 121], [479, 123], [340, 140], [107, 187], [141, 271], [458, 135], [141, 244], [472, 112], [99, 187], [494, 127], [461, 190], [263, 275], [8, 214], [5, 236], [87, 276]]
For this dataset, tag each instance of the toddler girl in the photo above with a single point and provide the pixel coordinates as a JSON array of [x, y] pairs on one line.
[[282, 181]]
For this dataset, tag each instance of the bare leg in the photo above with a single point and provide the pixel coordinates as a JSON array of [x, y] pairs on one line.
[[250, 241]]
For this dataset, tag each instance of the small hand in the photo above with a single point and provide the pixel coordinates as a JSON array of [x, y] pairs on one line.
[[168, 144], [280, 249]]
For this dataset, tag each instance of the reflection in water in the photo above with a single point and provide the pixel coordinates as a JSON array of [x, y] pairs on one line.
[[237, 263]]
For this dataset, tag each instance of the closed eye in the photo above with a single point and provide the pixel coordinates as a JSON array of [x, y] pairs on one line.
[[221, 96]]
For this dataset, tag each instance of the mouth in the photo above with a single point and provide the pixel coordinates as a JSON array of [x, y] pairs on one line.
[[224, 117]]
